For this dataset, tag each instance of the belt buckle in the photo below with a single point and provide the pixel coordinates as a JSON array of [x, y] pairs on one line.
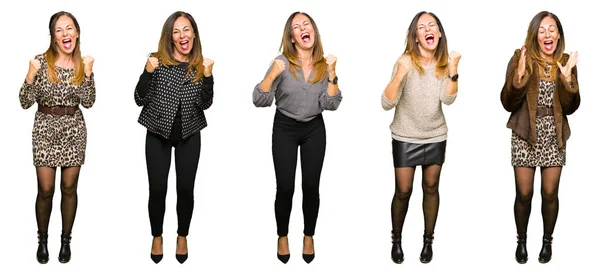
[[56, 113]]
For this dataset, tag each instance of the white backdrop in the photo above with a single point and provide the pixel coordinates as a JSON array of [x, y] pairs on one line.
[[233, 228]]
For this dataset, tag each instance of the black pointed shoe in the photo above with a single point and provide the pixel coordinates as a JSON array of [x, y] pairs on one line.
[[64, 256], [156, 258], [546, 252], [284, 258], [42, 254], [427, 252], [397, 253], [181, 258], [309, 257], [521, 252]]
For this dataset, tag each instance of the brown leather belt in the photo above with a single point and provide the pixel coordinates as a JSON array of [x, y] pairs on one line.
[[545, 111], [58, 110]]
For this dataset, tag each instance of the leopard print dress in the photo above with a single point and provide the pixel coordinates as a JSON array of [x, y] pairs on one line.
[[58, 141], [546, 152]]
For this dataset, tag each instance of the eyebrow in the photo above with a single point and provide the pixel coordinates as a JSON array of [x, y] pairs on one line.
[[65, 27], [300, 23]]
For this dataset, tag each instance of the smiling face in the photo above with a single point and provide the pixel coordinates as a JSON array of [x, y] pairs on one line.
[[547, 37], [65, 35], [428, 33], [303, 33], [183, 38]]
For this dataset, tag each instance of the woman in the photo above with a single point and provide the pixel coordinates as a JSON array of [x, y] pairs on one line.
[[424, 77], [174, 90], [304, 83], [540, 91], [58, 80]]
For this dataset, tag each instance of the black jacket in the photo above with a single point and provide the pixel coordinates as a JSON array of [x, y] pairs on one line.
[[161, 93]]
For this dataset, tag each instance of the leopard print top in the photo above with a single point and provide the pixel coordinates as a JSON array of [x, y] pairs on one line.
[[58, 141], [546, 152]]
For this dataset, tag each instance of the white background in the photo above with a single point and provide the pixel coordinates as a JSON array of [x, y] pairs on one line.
[[233, 229]]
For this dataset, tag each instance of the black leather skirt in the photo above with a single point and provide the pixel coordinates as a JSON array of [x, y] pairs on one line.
[[408, 154]]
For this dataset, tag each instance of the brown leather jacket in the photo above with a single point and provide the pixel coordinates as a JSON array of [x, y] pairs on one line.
[[521, 100]]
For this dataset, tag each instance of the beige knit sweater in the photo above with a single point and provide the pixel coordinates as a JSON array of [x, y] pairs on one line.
[[419, 115]]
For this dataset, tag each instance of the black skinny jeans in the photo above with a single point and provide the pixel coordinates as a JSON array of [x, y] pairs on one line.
[[288, 134], [158, 162]]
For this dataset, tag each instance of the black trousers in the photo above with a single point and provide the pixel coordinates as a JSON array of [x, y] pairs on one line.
[[288, 134], [158, 162]]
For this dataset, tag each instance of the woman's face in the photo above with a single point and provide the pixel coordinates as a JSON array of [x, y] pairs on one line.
[[183, 38], [428, 33], [547, 37], [303, 34], [65, 35]]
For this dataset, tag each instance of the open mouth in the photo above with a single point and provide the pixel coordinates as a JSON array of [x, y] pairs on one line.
[[305, 37], [67, 43], [548, 45], [429, 38], [185, 45]]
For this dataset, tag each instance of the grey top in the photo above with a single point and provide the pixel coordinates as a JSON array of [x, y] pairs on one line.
[[295, 97]]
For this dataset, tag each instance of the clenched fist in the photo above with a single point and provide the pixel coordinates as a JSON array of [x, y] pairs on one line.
[[34, 67], [403, 66], [331, 62], [88, 63], [208, 65], [277, 68], [151, 64], [454, 58]]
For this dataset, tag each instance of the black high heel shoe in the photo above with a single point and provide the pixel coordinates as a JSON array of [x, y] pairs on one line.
[[546, 252], [397, 253], [309, 257], [181, 258], [42, 254], [64, 256], [427, 252], [284, 258], [156, 258], [521, 253]]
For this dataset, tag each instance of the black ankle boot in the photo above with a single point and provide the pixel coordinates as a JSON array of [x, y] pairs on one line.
[[64, 256], [42, 251], [546, 252], [521, 253], [427, 252], [397, 253]]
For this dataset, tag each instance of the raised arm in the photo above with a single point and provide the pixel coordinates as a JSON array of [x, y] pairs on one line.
[[517, 76], [29, 88], [568, 87], [88, 94], [331, 96], [144, 85], [393, 91], [264, 92]]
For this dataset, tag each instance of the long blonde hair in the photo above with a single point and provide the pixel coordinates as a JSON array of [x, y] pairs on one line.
[[51, 54], [441, 51], [289, 51], [166, 48]]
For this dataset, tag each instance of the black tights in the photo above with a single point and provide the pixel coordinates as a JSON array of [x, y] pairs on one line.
[[431, 196], [524, 193], [68, 205]]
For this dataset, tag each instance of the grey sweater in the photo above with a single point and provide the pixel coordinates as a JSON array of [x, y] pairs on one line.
[[297, 98], [419, 117]]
